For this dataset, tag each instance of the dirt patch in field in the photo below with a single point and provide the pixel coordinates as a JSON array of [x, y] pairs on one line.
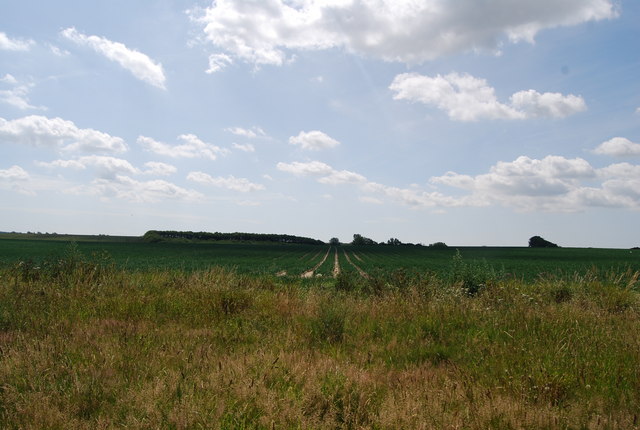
[[358, 257], [360, 271], [309, 273], [336, 265]]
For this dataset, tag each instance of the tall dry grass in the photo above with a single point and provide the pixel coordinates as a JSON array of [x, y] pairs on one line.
[[90, 346]]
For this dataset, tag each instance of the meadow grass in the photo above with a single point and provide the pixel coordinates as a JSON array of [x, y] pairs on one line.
[[86, 344]]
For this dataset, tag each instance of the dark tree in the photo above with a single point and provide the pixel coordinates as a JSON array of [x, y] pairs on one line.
[[394, 241], [334, 241], [438, 245], [538, 242], [358, 239]]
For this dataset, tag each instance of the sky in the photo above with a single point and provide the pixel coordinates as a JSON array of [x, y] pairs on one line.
[[464, 122]]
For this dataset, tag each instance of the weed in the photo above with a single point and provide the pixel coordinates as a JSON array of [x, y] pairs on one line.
[[472, 277]]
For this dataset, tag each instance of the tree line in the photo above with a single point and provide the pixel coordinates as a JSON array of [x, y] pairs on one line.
[[168, 235]]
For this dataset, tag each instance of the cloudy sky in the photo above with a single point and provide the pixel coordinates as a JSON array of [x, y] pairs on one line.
[[472, 123]]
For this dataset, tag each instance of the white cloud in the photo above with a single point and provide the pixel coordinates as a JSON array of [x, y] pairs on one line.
[[618, 147], [9, 79], [620, 171], [58, 52], [159, 169], [16, 179], [8, 44], [330, 176], [242, 185], [18, 96], [192, 147], [218, 62], [244, 147], [105, 167], [409, 31], [126, 188], [547, 105], [313, 140], [251, 133], [298, 168], [343, 177], [57, 133], [14, 173], [467, 98], [139, 64], [553, 183]]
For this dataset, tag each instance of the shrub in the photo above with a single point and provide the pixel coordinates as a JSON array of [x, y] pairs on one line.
[[472, 277]]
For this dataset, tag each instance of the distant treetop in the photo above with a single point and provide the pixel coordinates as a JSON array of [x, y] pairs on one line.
[[158, 236], [538, 242]]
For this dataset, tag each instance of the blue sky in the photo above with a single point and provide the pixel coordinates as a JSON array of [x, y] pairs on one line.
[[472, 123]]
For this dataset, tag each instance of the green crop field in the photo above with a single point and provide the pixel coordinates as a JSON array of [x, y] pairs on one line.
[[296, 259], [120, 333]]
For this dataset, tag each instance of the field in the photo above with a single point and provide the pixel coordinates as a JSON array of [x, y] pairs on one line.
[[294, 260], [110, 334]]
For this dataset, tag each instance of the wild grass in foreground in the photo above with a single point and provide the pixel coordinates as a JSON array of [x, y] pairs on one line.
[[86, 345]]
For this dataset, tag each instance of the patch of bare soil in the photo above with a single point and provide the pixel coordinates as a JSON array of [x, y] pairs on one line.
[[309, 273], [360, 271], [336, 265]]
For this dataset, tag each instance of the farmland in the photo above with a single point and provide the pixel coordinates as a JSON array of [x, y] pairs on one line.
[[296, 259], [103, 334]]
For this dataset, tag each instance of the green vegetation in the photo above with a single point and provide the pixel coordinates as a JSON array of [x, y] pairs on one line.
[[271, 258], [159, 236], [101, 334], [538, 242]]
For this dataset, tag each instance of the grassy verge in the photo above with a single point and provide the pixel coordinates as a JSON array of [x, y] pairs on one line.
[[87, 345]]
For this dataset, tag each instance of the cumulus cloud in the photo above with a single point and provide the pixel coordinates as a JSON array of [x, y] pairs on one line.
[[14, 173], [553, 183], [58, 133], [409, 31], [618, 147], [139, 64], [9, 44], [17, 179], [218, 62], [18, 95], [242, 185], [159, 169], [127, 188], [313, 140], [244, 147], [251, 133], [298, 168], [326, 174], [104, 166], [467, 98], [550, 176], [192, 147]]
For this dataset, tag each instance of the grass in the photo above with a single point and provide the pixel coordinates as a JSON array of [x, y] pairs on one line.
[[85, 343]]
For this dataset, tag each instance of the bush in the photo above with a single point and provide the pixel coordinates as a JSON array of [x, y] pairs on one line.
[[538, 242], [472, 277]]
